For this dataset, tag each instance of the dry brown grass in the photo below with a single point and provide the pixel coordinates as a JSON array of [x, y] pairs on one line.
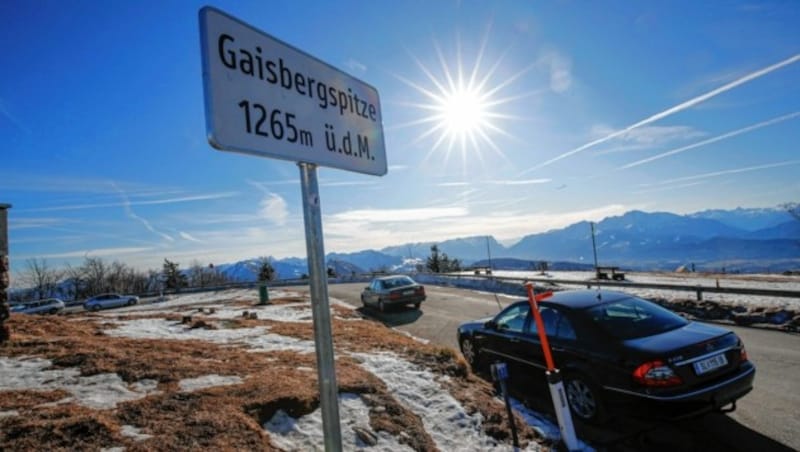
[[224, 417]]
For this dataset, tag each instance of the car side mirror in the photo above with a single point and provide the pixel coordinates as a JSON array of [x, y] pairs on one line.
[[490, 325]]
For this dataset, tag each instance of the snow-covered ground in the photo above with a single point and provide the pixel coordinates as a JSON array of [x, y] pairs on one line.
[[418, 389]]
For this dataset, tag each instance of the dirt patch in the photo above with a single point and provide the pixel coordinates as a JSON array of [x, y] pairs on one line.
[[62, 427], [21, 400]]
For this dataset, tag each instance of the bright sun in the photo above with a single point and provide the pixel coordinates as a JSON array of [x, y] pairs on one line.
[[463, 111], [462, 104]]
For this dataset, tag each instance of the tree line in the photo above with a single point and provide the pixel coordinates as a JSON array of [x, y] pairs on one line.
[[95, 276]]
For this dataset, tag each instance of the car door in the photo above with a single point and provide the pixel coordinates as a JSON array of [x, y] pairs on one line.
[[561, 337], [116, 300], [104, 301], [502, 341]]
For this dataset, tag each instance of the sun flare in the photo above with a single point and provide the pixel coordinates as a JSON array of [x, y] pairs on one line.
[[463, 111], [463, 104]]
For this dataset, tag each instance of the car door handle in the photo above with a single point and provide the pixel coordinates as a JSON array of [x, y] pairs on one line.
[[513, 340], [557, 349]]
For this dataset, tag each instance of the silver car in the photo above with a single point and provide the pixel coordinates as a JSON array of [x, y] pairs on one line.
[[109, 300], [47, 306]]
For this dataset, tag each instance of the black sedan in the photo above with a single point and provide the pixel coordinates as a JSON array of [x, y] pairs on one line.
[[391, 291], [616, 352]]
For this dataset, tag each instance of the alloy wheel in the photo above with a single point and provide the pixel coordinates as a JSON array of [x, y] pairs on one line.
[[581, 398], [468, 351]]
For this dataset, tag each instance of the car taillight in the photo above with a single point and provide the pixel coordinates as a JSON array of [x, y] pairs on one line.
[[743, 354], [420, 291], [656, 373], [394, 295]]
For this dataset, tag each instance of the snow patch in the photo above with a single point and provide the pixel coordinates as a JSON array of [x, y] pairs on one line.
[[256, 338], [444, 418], [134, 433], [208, 381], [101, 391], [306, 433]]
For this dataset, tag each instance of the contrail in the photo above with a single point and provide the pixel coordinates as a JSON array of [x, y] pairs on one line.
[[126, 204], [680, 107], [712, 140], [724, 173]]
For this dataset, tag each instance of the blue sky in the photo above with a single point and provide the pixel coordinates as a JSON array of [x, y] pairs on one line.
[[578, 111]]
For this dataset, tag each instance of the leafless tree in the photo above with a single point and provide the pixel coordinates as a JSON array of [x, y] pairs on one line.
[[40, 277], [95, 272]]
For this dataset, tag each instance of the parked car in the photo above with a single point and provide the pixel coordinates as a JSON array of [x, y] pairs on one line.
[[391, 291], [616, 353], [47, 306], [109, 300]]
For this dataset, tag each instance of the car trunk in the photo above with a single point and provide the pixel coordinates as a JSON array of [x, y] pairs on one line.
[[410, 291], [697, 353]]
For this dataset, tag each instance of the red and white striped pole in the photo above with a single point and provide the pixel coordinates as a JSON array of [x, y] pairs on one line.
[[553, 375]]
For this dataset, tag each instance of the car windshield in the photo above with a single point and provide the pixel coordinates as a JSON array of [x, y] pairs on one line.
[[397, 282], [633, 317]]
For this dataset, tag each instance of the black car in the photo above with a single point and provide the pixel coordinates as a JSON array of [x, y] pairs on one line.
[[393, 290], [616, 352]]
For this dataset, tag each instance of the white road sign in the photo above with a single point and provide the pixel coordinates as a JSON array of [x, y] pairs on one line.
[[266, 98]]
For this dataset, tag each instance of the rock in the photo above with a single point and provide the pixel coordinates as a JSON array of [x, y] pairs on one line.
[[365, 435]]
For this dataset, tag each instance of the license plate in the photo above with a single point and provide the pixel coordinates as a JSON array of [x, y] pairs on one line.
[[408, 292], [709, 364]]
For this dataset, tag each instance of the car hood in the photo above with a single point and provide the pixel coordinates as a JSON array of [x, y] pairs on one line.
[[679, 338], [474, 324]]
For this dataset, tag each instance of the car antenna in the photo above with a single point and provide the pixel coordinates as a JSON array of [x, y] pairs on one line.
[[499, 306]]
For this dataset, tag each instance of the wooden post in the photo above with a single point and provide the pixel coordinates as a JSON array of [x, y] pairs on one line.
[[5, 274]]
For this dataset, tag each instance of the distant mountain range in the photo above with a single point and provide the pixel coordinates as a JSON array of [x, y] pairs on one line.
[[746, 240]]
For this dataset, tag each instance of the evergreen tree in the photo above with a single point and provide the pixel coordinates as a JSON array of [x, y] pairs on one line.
[[434, 261], [173, 278], [265, 270]]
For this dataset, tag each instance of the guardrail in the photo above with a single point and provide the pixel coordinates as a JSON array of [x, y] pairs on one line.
[[698, 289]]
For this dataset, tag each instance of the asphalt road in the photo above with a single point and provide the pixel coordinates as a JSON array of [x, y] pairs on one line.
[[767, 419]]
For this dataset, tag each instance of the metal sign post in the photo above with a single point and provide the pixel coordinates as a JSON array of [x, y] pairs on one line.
[[323, 341], [266, 98], [500, 374]]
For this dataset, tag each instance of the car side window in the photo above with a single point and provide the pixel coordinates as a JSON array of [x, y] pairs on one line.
[[555, 323], [565, 329], [513, 319]]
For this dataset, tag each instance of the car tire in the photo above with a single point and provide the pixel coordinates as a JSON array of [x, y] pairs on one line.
[[470, 353], [131, 302], [54, 311], [584, 399], [95, 307], [416, 305]]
